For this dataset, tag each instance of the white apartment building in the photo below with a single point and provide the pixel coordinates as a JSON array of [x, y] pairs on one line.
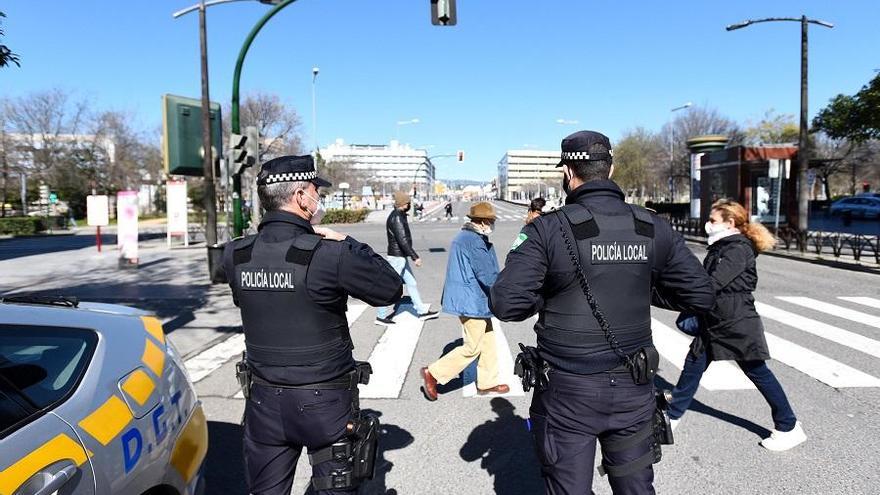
[[526, 173], [395, 165]]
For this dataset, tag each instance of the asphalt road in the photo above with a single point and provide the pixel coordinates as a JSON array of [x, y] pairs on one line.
[[823, 325]]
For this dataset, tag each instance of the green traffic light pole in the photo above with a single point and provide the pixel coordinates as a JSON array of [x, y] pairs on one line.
[[238, 219]]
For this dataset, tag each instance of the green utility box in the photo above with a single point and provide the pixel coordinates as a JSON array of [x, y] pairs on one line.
[[182, 135]]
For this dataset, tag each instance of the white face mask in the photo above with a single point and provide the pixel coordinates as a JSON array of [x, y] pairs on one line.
[[318, 214], [715, 228]]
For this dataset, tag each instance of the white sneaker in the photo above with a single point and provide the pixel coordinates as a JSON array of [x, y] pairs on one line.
[[674, 423], [779, 441]]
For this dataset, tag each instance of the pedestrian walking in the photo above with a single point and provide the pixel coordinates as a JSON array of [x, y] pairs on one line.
[[400, 251], [470, 272], [448, 209], [298, 376], [733, 330], [588, 270], [536, 207]]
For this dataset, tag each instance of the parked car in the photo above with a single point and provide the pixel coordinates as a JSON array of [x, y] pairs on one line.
[[857, 206], [94, 400]]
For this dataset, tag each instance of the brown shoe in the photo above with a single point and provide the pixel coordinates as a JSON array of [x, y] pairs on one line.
[[497, 389], [430, 386]]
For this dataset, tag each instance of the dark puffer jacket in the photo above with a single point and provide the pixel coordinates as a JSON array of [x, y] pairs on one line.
[[399, 237], [732, 330]]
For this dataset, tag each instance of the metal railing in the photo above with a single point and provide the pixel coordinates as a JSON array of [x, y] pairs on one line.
[[836, 244]]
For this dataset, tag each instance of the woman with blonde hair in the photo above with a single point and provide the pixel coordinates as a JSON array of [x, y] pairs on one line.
[[733, 331]]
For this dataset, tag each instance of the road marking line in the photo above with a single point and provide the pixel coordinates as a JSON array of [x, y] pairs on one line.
[[819, 329], [505, 367], [834, 310], [391, 357], [214, 357], [211, 359], [824, 369], [674, 346], [865, 301]]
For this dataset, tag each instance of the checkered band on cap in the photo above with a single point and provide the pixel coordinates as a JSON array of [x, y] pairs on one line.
[[291, 177], [583, 155]]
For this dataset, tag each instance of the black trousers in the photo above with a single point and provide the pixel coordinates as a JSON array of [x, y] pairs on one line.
[[279, 422], [573, 412]]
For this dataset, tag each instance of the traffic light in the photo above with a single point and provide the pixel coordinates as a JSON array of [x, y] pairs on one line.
[[461, 156], [443, 12], [252, 145], [237, 152]]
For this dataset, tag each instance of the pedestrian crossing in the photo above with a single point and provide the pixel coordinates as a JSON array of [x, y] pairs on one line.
[[846, 331], [505, 212], [456, 218]]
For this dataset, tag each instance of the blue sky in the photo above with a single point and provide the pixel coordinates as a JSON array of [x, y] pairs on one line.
[[499, 80]]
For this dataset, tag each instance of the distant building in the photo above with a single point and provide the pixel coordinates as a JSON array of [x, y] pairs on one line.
[[394, 164], [526, 173]]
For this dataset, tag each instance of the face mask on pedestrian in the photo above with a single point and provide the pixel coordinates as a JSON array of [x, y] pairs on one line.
[[487, 228], [317, 215], [718, 230]]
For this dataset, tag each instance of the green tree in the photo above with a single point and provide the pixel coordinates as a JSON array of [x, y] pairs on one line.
[[855, 118], [6, 55]]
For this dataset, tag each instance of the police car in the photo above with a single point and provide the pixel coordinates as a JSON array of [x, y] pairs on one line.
[[94, 400]]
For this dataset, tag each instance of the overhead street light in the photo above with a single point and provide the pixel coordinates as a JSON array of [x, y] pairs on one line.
[[210, 195], [803, 143]]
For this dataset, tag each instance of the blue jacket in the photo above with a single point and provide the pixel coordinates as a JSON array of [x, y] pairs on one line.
[[470, 274]]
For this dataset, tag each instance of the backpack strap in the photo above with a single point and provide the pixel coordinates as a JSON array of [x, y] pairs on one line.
[[242, 248], [583, 224], [302, 249], [643, 221]]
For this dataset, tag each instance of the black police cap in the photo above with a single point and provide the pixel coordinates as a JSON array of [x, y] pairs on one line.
[[576, 147], [290, 169]]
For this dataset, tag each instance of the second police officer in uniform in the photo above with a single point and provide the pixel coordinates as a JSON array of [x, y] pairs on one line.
[[292, 282], [588, 271]]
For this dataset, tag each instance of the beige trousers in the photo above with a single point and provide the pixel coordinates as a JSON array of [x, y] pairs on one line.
[[479, 342]]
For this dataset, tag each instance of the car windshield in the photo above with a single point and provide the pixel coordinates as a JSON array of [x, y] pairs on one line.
[[39, 366]]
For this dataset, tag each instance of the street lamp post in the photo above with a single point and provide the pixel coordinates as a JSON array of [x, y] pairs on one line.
[[427, 162], [238, 220], [315, 71], [208, 162], [672, 152], [803, 144]]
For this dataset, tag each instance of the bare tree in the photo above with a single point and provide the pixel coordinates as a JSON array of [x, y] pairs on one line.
[[279, 124], [693, 122], [773, 128], [636, 162]]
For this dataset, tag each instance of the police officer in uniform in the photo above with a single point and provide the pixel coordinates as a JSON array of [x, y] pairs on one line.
[[588, 271], [292, 282]]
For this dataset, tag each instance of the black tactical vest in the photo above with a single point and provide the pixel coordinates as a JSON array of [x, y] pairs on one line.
[[616, 252], [282, 325]]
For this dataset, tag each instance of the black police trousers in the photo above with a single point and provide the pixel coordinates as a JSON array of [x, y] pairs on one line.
[[573, 412], [279, 422]]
